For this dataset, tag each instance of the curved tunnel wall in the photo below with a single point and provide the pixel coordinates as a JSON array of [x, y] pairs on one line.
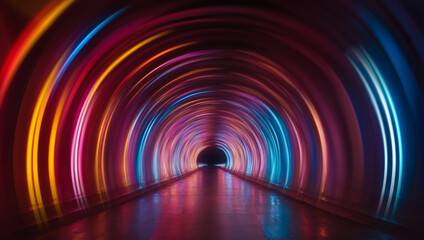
[[321, 99]]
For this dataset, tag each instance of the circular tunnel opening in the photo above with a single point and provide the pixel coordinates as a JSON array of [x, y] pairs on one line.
[[212, 156]]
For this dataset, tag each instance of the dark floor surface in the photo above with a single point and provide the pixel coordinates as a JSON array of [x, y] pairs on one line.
[[213, 204]]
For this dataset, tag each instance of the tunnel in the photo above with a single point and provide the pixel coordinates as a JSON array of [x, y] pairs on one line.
[[211, 119], [211, 156]]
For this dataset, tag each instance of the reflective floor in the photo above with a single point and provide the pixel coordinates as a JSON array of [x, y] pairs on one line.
[[213, 204]]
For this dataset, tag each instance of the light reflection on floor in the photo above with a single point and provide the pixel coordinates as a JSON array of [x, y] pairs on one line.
[[213, 204]]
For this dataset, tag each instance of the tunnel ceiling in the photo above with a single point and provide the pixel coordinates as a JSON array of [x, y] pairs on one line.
[[320, 98]]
